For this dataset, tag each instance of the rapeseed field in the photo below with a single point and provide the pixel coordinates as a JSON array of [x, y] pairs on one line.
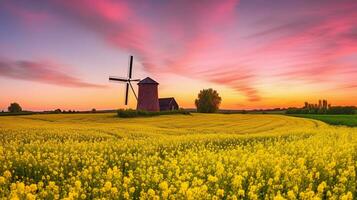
[[202, 156]]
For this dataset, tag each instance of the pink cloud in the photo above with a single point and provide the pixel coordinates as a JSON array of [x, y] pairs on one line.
[[242, 81], [110, 10], [174, 40], [29, 17], [43, 72], [316, 45], [202, 40]]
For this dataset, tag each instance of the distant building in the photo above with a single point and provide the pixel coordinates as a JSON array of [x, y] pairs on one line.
[[168, 104]]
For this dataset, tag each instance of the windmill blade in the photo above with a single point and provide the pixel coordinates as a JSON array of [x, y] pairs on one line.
[[118, 79], [130, 66], [131, 86], [134, 80], [126, 93]]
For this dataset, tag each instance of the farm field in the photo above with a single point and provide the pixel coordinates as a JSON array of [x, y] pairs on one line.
[[199, 156], [346, 120]]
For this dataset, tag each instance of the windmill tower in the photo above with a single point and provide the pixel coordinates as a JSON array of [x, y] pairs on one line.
[[148, 90], [148, 95]]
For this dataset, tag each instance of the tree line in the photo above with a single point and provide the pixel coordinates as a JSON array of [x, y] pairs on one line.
[[15, 108]]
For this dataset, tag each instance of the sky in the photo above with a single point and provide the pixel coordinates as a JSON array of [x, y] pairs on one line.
[[255, 53]]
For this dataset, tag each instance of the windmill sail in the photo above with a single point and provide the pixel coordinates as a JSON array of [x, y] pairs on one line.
[[130, 66], [127, 81], [126, 93]]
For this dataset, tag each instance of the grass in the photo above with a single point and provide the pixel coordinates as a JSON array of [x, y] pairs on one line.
[[346, 120]]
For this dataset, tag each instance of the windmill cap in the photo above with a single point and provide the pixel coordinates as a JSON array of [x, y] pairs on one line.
[[148, 80]]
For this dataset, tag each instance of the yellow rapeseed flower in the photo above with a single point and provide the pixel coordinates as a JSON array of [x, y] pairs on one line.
[[2, 180], [107, 186], [7, 174], [203, 157]]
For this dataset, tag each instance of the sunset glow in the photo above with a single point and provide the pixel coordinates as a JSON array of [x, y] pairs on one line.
[[255, 53]]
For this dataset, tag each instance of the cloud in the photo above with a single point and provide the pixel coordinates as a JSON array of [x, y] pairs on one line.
[[175, 38], [284, 28], [315, 44], [42, 72], [209, 41], [167, 37], [241, 81], [31, 18]]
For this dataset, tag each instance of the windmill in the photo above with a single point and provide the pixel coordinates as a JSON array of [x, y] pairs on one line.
[[127, 80]]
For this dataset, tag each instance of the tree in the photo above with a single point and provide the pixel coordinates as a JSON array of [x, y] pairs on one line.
[[208, 101], [14, 107], [57, 110], [94, 110]]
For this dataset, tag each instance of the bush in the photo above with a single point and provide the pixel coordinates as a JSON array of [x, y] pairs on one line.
[[208, 101], [339, 110], [334, 110], [130, 113], [14, 108]]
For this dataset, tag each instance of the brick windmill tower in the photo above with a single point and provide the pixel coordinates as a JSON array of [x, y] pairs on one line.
[[148, 98]]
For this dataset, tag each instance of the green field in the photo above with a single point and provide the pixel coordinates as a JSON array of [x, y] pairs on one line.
[[198, 156], [346, 120]]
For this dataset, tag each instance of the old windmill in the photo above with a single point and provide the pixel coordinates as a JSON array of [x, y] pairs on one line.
[[148, 98]]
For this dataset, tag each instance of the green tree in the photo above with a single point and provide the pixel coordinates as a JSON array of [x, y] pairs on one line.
[[208, 101], [14, 107]]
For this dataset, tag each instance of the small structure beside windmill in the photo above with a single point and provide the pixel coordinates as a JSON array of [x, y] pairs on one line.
[[168, 104], [148, 97]]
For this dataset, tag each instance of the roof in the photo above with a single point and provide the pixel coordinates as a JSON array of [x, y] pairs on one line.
[[166, 101], [148, 80]]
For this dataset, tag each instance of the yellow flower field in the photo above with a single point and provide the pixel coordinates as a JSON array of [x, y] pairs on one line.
[[212, 156]]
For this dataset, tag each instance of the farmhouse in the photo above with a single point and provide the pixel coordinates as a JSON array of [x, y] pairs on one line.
[[168, 104]]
